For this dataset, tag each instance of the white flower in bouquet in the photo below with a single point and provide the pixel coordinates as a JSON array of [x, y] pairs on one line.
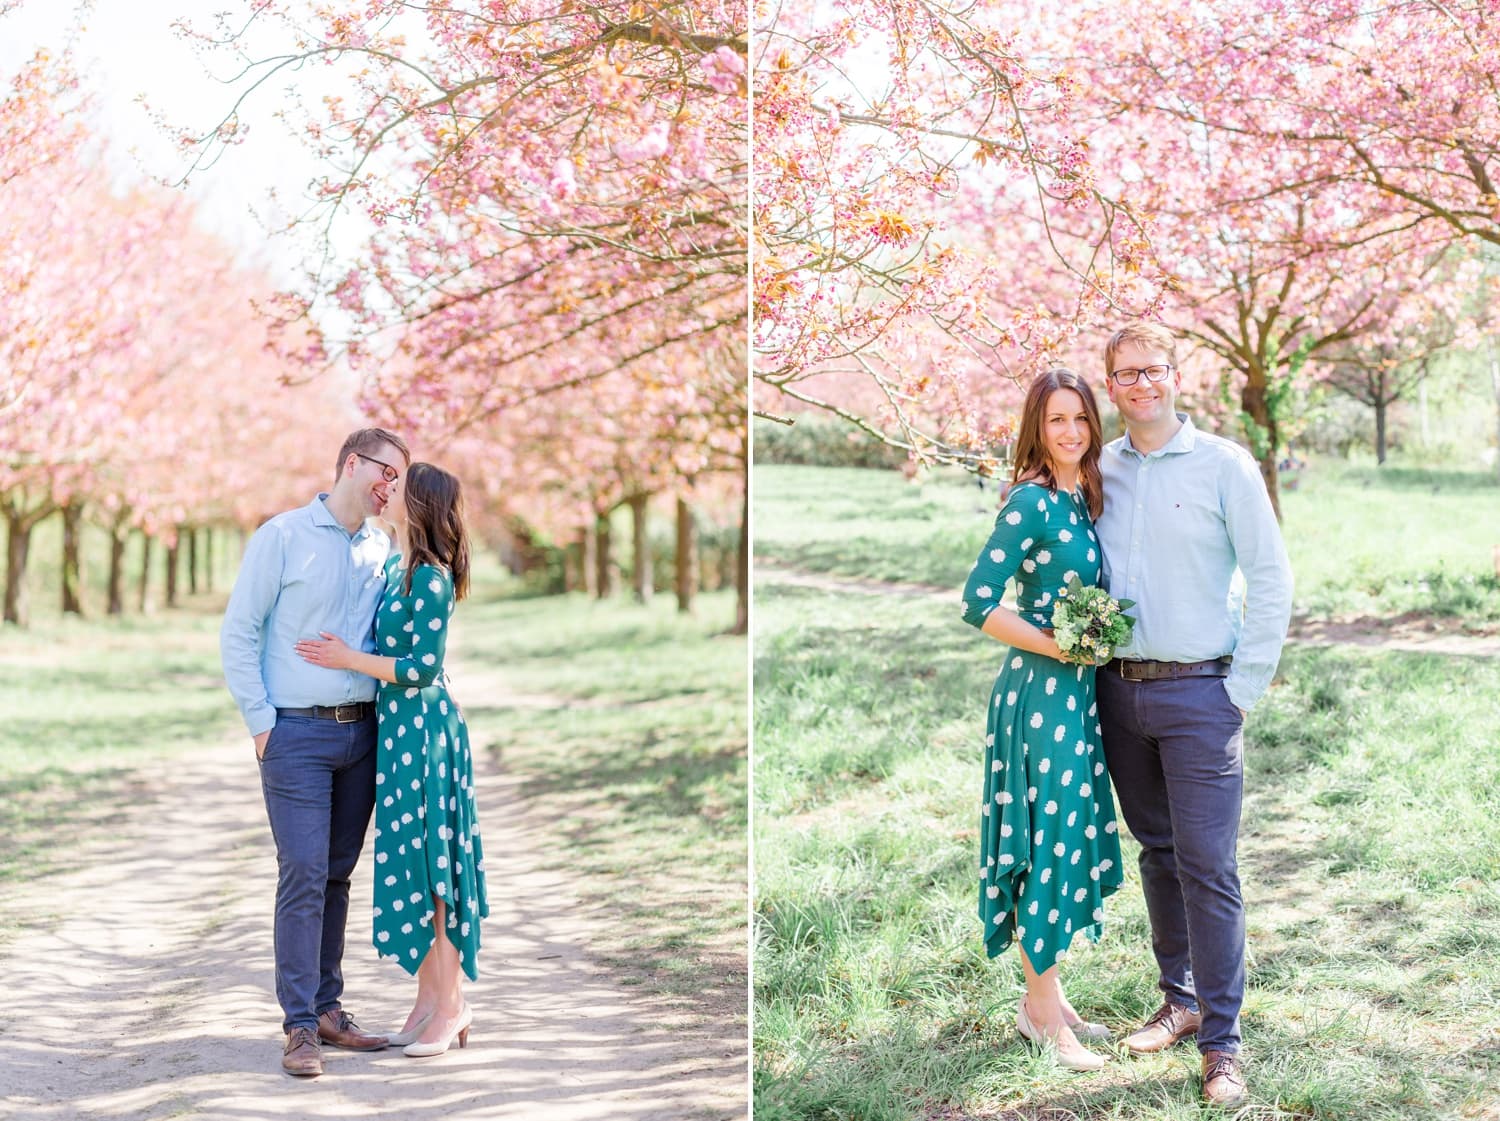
[[1088, 624]]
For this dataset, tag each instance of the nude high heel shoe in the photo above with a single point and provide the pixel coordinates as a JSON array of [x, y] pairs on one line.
[[1086, 1061], [402, 1038], [419, 1050], [1090, 1033]]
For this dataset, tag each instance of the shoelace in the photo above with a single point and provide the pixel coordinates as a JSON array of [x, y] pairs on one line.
[[1163, 1014], [1223, 1067]]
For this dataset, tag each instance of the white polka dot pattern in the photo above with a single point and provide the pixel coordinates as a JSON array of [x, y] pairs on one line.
[[1049, 846], [427, 838]]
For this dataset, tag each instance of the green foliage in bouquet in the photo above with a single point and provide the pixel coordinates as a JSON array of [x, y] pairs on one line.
[[1088, 624]]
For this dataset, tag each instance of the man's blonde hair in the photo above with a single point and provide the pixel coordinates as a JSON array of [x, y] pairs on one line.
[[1151, 335]]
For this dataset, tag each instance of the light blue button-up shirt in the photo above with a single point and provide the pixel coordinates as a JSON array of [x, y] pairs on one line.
[[302, 573], [1189, 534]]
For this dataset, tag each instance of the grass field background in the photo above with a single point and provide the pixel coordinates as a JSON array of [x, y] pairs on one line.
[[628, 724], [1363, 540], [1367, 849]]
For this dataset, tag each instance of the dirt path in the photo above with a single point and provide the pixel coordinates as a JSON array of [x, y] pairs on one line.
[[1413, 633], [142, 986]]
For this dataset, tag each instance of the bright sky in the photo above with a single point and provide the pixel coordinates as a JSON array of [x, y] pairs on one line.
[[128, 51]]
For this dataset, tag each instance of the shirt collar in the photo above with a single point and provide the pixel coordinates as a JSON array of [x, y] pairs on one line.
[[322, 515], [1183, 440]]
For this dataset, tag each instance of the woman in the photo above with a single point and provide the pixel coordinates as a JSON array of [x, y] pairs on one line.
[[1049, 852], [429, 864]]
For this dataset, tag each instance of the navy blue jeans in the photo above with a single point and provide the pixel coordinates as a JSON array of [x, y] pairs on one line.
[[1175, 752], [318, 777]]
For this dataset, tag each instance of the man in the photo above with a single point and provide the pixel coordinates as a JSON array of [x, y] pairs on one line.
[[1184, 512], [317, 568]]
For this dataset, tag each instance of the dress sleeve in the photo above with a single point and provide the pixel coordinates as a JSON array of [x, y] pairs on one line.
[[1017, 527], [431, 604]]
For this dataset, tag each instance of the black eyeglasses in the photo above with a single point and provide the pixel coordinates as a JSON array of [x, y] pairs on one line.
[[389, 472], [1153, 374]]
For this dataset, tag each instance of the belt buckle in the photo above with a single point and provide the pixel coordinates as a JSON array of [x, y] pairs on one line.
[[353, 708]]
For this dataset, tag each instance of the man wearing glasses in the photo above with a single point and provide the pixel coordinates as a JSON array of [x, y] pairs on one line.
[[318, 568], [1189, 534]]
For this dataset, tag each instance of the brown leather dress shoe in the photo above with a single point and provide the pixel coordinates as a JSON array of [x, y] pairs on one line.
[[1223, 1078], [338, 1027], [302, 1056], [1168, 1025]]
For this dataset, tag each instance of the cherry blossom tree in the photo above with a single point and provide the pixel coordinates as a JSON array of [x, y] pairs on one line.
[[56, 331], [138, 388], [934, 180], [556, 209], [558, 464], [1266, 283], [1403, 98], [1385, 367], [1391, 112], [557, 193], [886, 132]]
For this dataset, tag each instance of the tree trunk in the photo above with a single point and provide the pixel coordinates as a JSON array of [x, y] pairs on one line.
[[588, 548], [1380, 411], [742, 567], [119, 534], [728, 568], [1257, 407], [19, 524], [72, 571], [208, 559], [17, 546], [192, 561], [603, 559], [687, 556], [644, 582], [143, 588], [174, 553]]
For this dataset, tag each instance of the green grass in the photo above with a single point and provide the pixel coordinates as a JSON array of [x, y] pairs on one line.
[[642, 770], [95, 702], [90, 707], [1367, 855], [1363, 540]]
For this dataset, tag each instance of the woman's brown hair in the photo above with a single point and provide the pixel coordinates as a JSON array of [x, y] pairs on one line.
[[1030, 453], [435, 531]]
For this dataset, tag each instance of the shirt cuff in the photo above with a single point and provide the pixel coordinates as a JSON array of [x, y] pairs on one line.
[[261, 718], [1243, 693]]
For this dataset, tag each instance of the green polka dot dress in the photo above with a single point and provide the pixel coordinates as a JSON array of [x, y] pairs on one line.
[[1049, 852], [426, 831]]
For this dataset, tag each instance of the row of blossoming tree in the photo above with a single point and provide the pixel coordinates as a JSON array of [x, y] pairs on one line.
[[951, 195], [554, 280], [550, 293], [135, 386]]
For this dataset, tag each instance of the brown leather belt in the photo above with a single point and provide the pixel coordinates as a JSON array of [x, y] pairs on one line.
[[1163, 671], [350, 713]]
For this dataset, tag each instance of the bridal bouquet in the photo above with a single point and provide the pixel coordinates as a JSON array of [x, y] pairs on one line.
[[1088, 624]]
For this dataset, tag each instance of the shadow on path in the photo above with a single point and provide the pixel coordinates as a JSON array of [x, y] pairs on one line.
[[140, 985]]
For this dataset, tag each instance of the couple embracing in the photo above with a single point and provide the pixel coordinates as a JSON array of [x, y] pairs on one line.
[[333, 646], [1164, 516]]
